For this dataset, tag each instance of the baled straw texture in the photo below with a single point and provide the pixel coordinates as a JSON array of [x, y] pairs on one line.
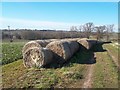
[[87, 43], [35, 43], [84, 43], [37, 57], [63, 49], [43, 43], [29, 45]]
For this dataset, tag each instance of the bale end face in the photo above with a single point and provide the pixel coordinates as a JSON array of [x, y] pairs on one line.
[[37, 57], [84, 43], [29, 45]]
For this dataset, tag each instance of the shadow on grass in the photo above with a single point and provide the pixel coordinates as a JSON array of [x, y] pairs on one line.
[[98, 48]]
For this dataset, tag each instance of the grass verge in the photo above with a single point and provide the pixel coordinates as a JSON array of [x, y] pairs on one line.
[[105, 72]]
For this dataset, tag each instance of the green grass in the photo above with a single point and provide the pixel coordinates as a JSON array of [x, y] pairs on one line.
[[11, 72], [15, 75], [113, 50], [105, 72], [11, 51]]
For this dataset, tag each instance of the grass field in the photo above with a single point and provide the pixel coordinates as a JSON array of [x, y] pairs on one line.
[[72, 74], [11, 51]]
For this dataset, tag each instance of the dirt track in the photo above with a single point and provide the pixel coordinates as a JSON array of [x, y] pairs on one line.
[[88, 80], [89, 75]]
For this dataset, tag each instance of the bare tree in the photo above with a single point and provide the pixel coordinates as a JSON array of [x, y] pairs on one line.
[[72, 29], [109, 30], [88, 28], [80, 28], [100, 30]]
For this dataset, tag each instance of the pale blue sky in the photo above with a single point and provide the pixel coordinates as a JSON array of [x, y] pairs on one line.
[[58, 15]]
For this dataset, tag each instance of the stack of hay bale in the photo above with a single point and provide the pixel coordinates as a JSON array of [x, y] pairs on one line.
[[35, 54], [88, 44], [63, 50], [39, 53]]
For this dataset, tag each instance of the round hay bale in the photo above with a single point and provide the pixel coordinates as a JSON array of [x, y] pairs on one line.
[[29, 45], [61, 50], [73, 39], [88, 44], [43, 43], [69, 39], [36, 43], [92, 43], [37, 57], [74, 46], [54, 40], [84, 43]]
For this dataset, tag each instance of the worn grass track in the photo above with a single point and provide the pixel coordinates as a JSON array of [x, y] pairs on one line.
[[105, 72], [113, 52]]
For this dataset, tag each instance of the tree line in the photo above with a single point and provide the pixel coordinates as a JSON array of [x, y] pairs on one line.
[[83, 31], [89, 28]]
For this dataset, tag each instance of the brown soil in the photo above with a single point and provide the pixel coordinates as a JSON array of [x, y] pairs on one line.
[[88, 81]]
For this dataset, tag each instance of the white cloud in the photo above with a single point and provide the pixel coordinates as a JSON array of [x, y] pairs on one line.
[[29, 24]]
